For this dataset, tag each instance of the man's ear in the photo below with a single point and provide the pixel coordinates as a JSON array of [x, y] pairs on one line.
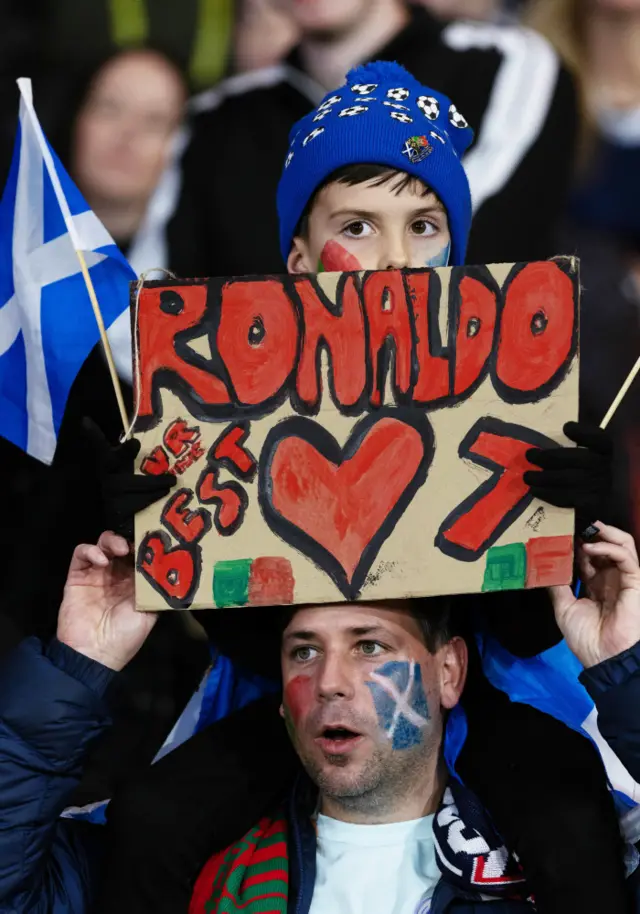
[[299, 260], [281, 710], [454, 659]]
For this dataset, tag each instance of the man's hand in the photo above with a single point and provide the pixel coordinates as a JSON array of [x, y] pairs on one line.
[[98, 616], [606, 621]]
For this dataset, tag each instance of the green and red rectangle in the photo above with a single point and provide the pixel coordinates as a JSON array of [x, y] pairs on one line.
[[543, 561], [264, 581]]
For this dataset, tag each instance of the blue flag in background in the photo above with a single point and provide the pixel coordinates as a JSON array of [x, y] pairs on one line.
[[47, 325]]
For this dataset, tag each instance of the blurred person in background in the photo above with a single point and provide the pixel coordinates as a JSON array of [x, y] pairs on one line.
[[195, 33], [265, 32], [600, 42], [508, 85], [123, 152], [464, 9], [119, 141], [123, 137]]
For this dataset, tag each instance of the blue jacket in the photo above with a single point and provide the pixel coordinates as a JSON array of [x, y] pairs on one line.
[[52, 708]]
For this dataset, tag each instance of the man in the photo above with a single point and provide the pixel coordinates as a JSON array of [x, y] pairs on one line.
[[367, 690], [505, 79]]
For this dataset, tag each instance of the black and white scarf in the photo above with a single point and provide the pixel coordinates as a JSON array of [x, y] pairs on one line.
[[470, 852]]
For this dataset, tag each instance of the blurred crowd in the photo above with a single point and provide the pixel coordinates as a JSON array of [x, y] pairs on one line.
[[173, 119]]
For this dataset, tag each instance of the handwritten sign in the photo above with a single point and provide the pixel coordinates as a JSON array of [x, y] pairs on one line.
[[353, 435]]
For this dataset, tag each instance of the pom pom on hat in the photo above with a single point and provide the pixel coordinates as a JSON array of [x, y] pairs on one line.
[[382, 115]]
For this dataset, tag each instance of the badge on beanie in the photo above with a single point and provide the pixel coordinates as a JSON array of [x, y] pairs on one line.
[[417, 148]]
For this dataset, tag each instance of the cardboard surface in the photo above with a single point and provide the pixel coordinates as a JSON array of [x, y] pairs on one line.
[[353, 436]]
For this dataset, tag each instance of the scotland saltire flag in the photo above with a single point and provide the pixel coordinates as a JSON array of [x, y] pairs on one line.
[[549, 682], [47, 325]]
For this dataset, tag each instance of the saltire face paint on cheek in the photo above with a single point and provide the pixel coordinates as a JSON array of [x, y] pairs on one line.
[[400, 702], [336, 259], [441, 259]]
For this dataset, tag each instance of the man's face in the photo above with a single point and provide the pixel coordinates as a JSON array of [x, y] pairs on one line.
[[363, 698], [328, 17], [373, 227]]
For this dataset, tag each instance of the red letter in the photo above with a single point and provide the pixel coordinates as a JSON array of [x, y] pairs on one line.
[[163, 313], [231, 501], [536, 333], [187, 526], [257, 338], [474, 324], [230, 452], [433, 370], [385, 300], [178, 436], [174, 573], [342, 331], [156, 463], [482, 517]]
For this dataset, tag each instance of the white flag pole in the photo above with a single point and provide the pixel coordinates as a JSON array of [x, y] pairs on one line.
[[621, 394], [24, 85]]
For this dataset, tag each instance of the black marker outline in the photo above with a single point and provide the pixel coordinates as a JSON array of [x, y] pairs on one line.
[[301, 406], [385, 367], [324, 442], [218, 501], [502, 429], [196, 554], [189, 512], [226, 462], [511, 394]]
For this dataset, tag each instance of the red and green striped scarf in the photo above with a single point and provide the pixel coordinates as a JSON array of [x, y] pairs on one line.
[[251, 876]]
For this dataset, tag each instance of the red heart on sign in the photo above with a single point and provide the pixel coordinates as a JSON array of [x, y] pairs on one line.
[[339, 505]]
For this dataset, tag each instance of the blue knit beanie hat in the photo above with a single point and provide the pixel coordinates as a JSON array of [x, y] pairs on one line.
[[381, 116]]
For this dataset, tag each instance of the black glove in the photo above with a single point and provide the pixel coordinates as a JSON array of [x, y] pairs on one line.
[[579, 478], [123, 492]]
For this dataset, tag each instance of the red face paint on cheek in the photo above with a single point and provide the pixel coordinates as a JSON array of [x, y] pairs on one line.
[[298, 696], [336, 259]]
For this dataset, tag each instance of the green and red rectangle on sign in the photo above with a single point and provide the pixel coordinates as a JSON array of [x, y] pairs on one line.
[[264, 581], [542, 561]]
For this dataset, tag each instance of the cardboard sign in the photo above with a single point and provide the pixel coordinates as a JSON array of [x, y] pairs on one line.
[[353, 435]]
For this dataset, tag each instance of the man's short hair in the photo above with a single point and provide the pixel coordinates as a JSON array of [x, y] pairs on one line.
[[352, 175], [436, 617]]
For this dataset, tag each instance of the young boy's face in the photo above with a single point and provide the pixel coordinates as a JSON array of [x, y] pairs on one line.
[[372, 227]]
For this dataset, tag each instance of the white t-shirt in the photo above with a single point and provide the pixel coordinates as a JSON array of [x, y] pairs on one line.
[[374, 869]]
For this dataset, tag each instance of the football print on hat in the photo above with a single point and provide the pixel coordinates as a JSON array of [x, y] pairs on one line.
[[398, 95], [429, 106], [364, 88], [456, 118], [327, 106], [313, 135], [354, 111], [403, 118]]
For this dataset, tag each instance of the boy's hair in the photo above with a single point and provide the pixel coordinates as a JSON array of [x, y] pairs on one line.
[[352, 175]]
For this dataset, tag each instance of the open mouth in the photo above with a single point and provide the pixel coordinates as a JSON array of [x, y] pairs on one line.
[[338, 739], [338, 733]]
